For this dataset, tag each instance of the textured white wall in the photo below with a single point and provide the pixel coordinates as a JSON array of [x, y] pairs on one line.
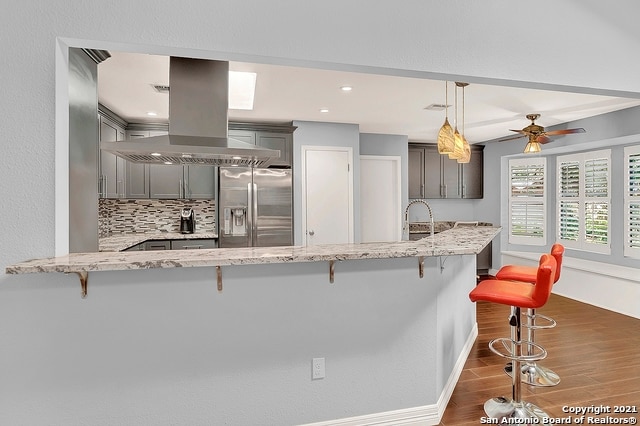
[[52, 341]]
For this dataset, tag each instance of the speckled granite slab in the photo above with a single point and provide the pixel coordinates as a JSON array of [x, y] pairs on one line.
[[468, 240], [124, 241], [438, 226]]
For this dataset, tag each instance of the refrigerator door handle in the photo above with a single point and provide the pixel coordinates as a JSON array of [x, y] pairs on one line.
[[254, 222], [249, 224]]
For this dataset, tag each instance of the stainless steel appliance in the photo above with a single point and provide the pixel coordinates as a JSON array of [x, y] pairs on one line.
[[187, 221], [254, 207]]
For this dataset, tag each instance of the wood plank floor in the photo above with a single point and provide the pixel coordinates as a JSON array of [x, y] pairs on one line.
[[596, 353]]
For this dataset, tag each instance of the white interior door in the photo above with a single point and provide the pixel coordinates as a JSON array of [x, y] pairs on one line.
[[380, 198], [327, 199]]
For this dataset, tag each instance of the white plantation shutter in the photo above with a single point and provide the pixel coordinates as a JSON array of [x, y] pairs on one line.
[[527, 206], [584, 198], [632, 201]]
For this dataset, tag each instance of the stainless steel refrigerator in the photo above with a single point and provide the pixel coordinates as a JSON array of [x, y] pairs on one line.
[[254, 207]]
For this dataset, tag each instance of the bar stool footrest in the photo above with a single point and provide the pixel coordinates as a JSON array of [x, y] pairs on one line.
[[532, 319], [535, 351]]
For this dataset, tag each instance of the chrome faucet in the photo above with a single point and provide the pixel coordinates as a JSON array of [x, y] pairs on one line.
[[406, 215]]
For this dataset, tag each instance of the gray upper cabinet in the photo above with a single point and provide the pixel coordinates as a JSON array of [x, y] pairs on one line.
[[279, 141], [473, 174], [137, 175], [432, 175], [279, 137], [112, 169], [166, 181], [416, 172], [199, 182]]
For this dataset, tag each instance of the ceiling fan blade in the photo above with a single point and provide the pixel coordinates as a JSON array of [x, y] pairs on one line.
[[543, 139], [511, 138], [565, 132], [519, 131]]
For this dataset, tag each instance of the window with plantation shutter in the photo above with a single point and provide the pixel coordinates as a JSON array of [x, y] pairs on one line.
[[584, 199], [632, 201], [527, 201]]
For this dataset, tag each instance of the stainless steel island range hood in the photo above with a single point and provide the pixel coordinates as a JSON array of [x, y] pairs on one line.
[[198, 122]]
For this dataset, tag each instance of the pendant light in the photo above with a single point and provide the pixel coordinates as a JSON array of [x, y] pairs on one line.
[[458, 148], [445, 135], [466, 148]]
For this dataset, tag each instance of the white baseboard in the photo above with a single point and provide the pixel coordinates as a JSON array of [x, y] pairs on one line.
[[612, 287], [425, 415]]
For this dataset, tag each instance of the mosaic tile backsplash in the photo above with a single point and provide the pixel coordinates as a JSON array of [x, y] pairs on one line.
[[129, 216]]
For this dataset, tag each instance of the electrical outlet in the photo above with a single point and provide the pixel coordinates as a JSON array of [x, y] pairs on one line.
[[317, 368]]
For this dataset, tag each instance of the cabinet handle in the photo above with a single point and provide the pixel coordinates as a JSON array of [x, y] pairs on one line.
[[192, 247], [180, 189], [445, 190], [464, 190], [422, 190]]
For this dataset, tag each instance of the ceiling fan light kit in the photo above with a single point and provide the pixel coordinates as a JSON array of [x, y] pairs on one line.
[[446, 141], [537, 135], [532, 147]]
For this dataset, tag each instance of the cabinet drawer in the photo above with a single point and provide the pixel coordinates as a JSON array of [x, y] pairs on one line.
[[204, 243], [158, 245]]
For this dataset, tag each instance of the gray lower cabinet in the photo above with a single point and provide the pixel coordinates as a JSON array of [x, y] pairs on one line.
[[157, 245], [201, 243], [191, 244], [432, 175]]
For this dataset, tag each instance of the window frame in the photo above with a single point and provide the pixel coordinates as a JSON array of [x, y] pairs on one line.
[[629, 199], [533, 162], [582, 200]]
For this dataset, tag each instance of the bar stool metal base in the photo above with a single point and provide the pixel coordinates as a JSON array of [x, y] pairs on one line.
[[534, 374], [503, 408]]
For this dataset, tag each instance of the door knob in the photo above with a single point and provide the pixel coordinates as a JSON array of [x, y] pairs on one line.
[[311, 233]]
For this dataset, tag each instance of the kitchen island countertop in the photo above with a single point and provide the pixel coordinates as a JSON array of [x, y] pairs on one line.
[[124, 241], [457, 241]]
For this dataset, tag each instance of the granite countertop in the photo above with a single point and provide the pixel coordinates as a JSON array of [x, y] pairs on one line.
[[470, 240], [124, 241], [438, 226]]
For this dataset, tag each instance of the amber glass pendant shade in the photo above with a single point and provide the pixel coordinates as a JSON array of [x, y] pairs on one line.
[[446, 142], [458, 149], [445, 135], [532, 147], [466, 152]]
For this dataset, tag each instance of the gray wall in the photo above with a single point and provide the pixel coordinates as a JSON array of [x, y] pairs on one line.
[[310, 133], [52, 339], [607, 131], [391, 145]]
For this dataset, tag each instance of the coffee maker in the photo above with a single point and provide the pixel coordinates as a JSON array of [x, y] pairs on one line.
[[187, 221]]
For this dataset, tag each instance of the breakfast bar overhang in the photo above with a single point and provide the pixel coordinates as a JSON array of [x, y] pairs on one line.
[[378, 322]]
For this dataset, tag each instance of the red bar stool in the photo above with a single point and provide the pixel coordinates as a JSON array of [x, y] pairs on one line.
[[518, 295], [532, 373]]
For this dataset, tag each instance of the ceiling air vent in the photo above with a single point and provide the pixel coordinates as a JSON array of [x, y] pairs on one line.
[[160, 88], [436, 107]]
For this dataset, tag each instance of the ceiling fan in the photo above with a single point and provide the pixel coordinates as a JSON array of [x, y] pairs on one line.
[[537, 134]]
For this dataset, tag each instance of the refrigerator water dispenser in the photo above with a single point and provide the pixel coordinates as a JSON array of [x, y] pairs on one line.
[[235, 221]]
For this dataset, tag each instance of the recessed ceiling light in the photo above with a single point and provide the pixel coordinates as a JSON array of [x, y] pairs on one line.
[[168, 162], [152, 114], [187, 155], [236, 157], [324, 110], [346, 88], [156, 154]]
